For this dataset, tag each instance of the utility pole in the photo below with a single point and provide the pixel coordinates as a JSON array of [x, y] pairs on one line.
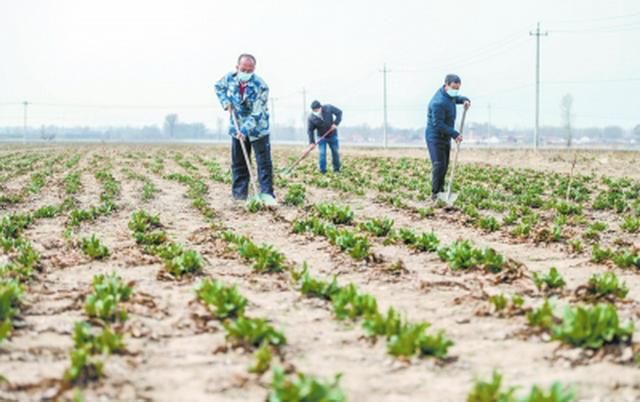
[[384, 91], [536, 131], [24, 128]]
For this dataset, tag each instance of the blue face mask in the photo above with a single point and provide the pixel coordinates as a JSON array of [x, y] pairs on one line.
[[452, 92], [244, 77]]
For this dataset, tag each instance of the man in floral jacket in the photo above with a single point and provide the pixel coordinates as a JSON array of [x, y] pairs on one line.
[[247, 95]]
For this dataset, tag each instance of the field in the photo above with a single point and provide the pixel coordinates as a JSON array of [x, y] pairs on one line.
[[129, 274]]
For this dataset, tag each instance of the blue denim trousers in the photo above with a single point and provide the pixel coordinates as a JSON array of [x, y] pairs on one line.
[[335, 153]]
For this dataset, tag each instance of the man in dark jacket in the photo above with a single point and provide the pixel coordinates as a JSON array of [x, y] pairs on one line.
[[440, 129], [322, 119]]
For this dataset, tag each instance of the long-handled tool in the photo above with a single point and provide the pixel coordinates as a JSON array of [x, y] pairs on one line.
[[256, 195], [306, 152], [450, 197]]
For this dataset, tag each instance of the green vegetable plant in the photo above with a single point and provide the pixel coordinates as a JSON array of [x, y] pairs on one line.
[[304, 388], [495, 391], [489, 224], [592, 327], [549, 281], [93, 247], [10, 295], [262, 359], [253, 332], [222, 301], [379, 227], [295, 195], [603, 286], [349, 303], [334, 213], [254, 205], [188, 262], [507, 307], [491, 391], [542, 318], [108, 292], [461, 255], [631, 224], [265, 258], [317, 288]]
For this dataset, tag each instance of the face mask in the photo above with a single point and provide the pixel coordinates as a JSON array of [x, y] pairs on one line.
[[244, 77], [452, 92], [317, 114]]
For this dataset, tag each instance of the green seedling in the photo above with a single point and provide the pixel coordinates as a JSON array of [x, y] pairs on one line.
[[253, 332], [295, 195], [304, 388], [94, 248], [339, 215], [549, 281], [108, 292], [222, 301]]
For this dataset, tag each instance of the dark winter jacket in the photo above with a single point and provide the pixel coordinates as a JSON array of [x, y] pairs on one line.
[[330, 115], [441, 117]]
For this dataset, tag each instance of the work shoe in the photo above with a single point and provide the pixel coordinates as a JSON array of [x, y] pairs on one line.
[[269, 200], [238, 201]]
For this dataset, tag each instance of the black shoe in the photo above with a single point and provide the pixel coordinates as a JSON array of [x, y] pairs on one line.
[[434, 197]]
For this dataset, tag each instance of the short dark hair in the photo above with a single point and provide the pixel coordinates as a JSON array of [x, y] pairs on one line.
[[315, 105], [452, 79], [247, 55]]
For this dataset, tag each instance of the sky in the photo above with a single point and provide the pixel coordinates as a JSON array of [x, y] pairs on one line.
[[89, 62]]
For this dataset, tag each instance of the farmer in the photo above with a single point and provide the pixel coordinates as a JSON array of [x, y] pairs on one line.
[[245, 94], [325, 119], [440, 129]]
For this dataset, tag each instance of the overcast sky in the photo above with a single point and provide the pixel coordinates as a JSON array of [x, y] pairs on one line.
[[131, 62]]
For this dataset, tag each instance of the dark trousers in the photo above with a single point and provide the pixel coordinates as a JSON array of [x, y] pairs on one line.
[[335, 153], [439, 153], [240, 174]]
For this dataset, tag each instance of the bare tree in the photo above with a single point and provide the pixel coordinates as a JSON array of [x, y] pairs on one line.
[[170, 121], [566, 106]]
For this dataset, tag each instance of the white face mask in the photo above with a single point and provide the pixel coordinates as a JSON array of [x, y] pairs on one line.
[[317, 114], [244, 77]]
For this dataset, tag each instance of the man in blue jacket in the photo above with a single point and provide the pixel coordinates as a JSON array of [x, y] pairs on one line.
[[322, 119], [248, 95], [440, 129]]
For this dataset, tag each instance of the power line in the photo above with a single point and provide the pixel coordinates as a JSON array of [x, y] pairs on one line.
[[592, 81], [601, 29], [502, 91], [490, 51], [608, 18]]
